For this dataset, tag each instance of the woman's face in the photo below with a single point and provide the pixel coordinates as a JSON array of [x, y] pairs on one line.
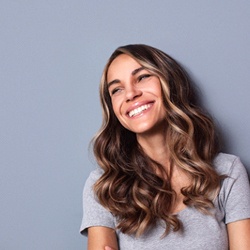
[[136, 95]]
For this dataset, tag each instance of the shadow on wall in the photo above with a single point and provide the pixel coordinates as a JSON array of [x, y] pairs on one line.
[[196, 99]]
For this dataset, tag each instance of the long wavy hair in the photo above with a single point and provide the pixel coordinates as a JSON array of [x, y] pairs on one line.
[[129, 186]]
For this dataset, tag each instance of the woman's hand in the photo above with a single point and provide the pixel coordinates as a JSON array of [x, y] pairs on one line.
[[109, 248]]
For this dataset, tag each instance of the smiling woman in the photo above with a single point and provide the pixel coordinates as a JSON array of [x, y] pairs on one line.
[[162, 183]]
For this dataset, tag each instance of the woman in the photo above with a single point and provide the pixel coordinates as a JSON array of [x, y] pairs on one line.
[[162, 183]]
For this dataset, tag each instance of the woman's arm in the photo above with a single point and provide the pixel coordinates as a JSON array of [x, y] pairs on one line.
[[99, 237], [239, 235]]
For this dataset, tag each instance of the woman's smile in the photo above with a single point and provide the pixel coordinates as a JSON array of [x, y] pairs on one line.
[[140, 109]]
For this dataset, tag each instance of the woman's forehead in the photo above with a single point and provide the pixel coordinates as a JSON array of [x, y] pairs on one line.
[[122, 65]]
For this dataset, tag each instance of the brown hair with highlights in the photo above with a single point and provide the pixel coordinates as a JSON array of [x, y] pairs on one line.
[[129, 186]]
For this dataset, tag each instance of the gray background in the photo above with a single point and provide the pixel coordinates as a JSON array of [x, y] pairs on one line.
[[52, 55]]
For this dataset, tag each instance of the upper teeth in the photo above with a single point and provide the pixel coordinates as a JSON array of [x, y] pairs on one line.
[[138, 110]]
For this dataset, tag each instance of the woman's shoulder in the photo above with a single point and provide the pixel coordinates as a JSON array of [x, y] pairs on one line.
[[227, 163], [94, 175]]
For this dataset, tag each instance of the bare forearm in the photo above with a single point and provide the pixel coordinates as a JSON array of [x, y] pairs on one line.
[[239, 235], [100, 237]]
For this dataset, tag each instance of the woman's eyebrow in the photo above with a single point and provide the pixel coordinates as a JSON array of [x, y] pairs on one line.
[[134, 72], [113, 82]]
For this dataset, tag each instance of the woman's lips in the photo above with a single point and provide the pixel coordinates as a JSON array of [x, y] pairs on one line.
[[139, 109]]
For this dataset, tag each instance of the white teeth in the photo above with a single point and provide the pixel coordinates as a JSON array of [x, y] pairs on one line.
[[139, 110]]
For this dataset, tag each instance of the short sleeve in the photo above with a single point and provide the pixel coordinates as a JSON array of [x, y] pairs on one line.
[[235, 193], [94, 214]]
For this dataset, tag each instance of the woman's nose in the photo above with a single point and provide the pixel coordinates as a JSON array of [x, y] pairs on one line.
[[132, 93]]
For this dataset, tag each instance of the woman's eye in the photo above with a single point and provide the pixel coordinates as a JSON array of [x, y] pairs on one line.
[[114, 91], [143, 77]]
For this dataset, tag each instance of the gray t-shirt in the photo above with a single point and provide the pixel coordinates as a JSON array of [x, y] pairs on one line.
[[199, 231]]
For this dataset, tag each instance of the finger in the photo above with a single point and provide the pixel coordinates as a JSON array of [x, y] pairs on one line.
[[108, 248]]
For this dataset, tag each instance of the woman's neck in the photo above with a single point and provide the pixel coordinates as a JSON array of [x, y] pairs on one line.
[[155, 146]]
